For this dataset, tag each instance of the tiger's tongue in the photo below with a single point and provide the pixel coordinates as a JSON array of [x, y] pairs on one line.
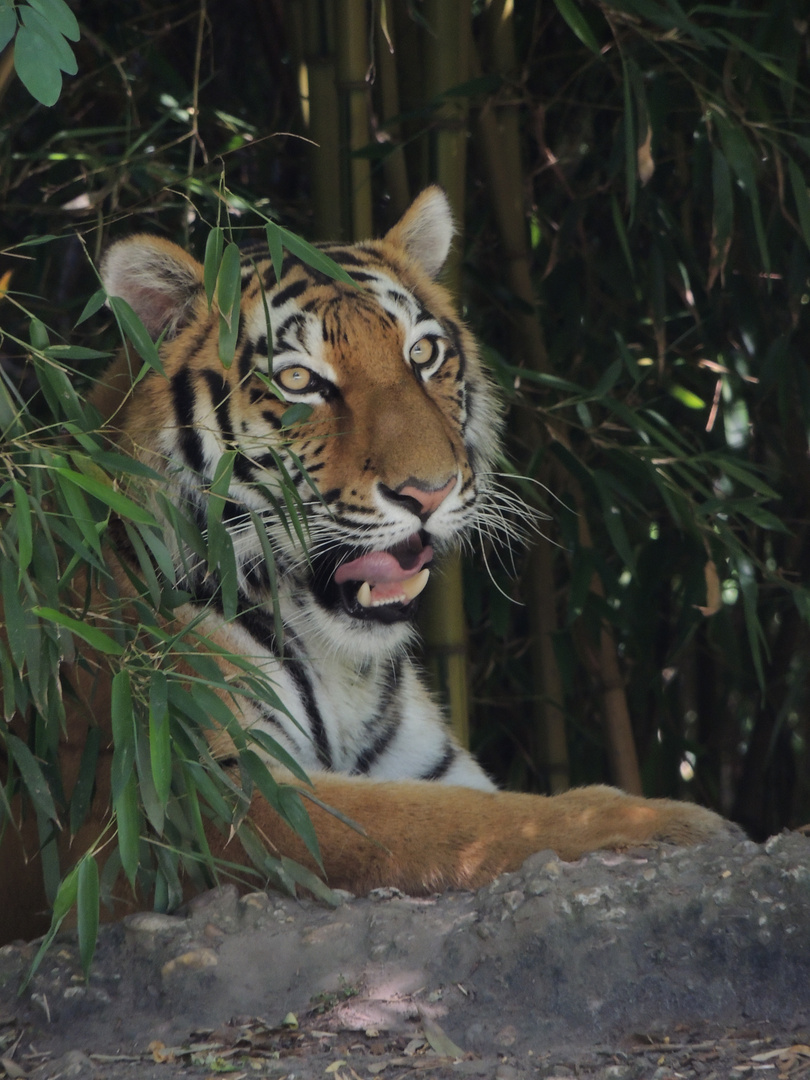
[[382, 568], [384, 578]]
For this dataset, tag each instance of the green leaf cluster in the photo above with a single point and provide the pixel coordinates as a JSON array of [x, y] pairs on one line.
[[40, 30]]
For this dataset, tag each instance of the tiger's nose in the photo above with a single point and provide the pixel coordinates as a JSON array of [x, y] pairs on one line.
[[420, 498]]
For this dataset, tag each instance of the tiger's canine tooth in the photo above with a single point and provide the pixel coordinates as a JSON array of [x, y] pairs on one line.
[[413, 586], [364, 595]]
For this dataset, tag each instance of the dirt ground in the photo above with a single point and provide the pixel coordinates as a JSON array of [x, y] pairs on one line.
[[652, 964]]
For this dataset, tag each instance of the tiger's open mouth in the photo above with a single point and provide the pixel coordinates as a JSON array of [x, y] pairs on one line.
[[383, 585]]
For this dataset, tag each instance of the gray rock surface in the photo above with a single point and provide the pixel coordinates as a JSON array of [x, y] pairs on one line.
[[556, 956]]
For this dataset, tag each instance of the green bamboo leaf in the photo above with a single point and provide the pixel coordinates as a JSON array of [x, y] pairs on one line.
[[337, 814], [128, 818], [799, 185], [94, 304], [269, 558], [59, 15], [214, 246], [746, 476], [608, 379], [229, 297], [220, 486], [229, 281], [312, 256], [743, 161], [34, 241], [168, 890], [9, 702], [153, 806], [621, 232], [612, 517], [295, 814], [36, 786], [686, 397], [275, 246], [137, 333], [37, 66], [758, 514], [73, 352], [228, 336], [104, 491], [722, 210], [65, 899], [94, 637], [756, 635], [277, 751], [302, 876], [58, 390], [261, 776], [85, 782], [578, 23], [8, 25], [123, 732], [22, 518], [194, 813], [145, 565], [160, 749], [87, 901], [296, 414], [13, 613], [60, 50]]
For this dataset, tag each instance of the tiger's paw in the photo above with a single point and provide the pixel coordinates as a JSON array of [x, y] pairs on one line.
[[602, 817], [686, 824]]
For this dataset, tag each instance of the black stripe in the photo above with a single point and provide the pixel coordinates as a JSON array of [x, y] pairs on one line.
[[183, 397], [296, 669], [244, 365], [361, 275], [257, 575], [386, 715], [345, 256], [270, 717], [220, 398], [442, 766], [260, 626], [289, 292], [271, 418]]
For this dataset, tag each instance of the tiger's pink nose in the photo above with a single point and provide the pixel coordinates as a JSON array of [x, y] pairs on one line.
[[422, 500]]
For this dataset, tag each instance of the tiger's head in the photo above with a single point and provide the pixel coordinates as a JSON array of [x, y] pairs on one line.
[[403, 423]]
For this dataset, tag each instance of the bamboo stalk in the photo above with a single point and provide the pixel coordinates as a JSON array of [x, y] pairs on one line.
[[396, 176], [352, 35], [443, 621], [499, 138], [621, 746], [311, 34]]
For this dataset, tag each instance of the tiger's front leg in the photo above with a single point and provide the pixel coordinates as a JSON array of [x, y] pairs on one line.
[[423, 837]]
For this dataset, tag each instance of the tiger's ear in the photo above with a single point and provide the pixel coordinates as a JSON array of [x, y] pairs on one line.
[[157, 279], [426, 230]]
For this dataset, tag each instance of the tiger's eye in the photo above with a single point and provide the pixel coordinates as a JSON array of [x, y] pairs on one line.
[[294, 378], [423, 351]]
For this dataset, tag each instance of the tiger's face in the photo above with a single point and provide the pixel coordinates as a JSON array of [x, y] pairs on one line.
[[389, 460]]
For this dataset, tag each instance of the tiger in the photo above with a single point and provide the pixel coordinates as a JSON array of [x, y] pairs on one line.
[[393, 465]]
